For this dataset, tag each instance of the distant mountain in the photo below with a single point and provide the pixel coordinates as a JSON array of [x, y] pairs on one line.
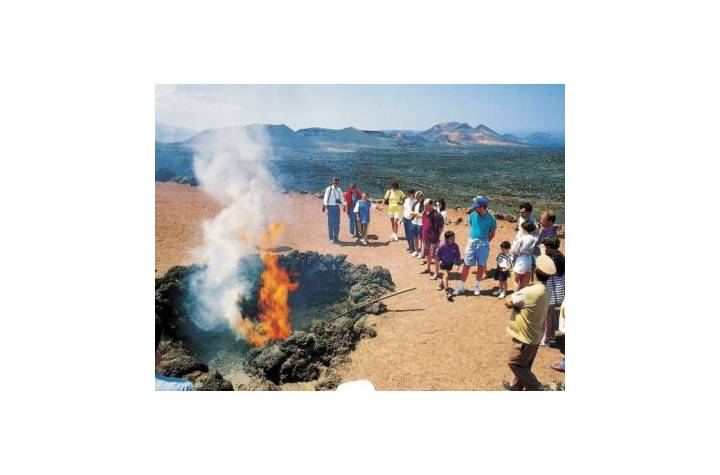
[[456, 134], [278, 136], [542, 139], [167, 133], [318, 139], [346, 140]]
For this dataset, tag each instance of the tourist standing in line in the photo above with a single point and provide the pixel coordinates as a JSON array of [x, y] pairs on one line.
[[362, 212], [449, 255], [394, 198], [547, 229], [432, 228], [352, 195], [477, 249], [417, 211], [521, 252], [332, 201], [525, 212], [529, 308], [556, 287], [442, 209], [407, 220]]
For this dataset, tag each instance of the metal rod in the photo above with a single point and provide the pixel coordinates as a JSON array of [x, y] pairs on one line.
[[370, 303]]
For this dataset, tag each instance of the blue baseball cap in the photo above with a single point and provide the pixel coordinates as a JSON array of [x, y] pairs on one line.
[[480, 201]]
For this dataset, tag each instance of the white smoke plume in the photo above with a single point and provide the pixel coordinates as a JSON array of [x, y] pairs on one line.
[[230, 165]]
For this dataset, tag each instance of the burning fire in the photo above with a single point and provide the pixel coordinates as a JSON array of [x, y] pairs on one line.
[[275, 287]]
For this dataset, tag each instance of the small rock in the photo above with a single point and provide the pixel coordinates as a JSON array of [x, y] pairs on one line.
[[328, 382], [377, 308], [459, 221]]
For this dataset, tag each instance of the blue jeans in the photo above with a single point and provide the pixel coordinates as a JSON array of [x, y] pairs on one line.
[[409, 234], [353, 227], [333, 213]]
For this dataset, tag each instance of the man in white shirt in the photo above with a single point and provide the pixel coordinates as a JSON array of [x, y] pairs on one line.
[[332, 201], [525, 212], [407, 220]]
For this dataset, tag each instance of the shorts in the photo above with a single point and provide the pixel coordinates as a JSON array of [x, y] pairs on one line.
[[395, 212], [476, 252], [502, 274], [523, 264], [446, 265]]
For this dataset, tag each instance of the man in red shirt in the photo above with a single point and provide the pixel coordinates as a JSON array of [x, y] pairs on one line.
[[351, 197]]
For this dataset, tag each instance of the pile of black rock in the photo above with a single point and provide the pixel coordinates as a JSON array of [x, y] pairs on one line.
[[327, 326]]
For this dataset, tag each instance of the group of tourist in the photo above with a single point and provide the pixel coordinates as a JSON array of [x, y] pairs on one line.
[[533, 258]]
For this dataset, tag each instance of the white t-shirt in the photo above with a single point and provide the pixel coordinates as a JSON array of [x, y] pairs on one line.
[[417, 208], [523, 246], [444, 215], [521, 220], [333, 194], [407, 207]]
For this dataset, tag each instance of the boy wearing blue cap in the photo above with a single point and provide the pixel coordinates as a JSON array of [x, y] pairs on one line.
[[477, 249]]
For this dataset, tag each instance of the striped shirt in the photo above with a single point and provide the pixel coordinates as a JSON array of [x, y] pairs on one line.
[[556, 283], [503, 261], [556, 288]]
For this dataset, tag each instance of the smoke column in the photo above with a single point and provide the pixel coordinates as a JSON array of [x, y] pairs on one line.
[[231, 165]]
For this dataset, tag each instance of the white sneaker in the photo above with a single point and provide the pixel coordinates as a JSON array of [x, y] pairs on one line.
[[434, 276], [501, 295], [459, 290], [497, 292], [365, 243], [477, 290], [419, 256], [395, 238]]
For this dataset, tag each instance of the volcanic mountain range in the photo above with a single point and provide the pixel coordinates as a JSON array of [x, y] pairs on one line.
[[455, 135]]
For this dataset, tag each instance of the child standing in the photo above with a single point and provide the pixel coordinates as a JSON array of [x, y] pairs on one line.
[[362, 211], [449, 255], [521, 250], [502, 269]]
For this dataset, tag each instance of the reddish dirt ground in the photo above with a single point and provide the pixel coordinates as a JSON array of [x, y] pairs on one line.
[[423, 342]]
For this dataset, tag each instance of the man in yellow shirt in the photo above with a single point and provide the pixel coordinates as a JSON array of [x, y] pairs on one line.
[[527, 326]]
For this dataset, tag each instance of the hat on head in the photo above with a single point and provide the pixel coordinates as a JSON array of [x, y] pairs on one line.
[[545, 265], [480, 201]]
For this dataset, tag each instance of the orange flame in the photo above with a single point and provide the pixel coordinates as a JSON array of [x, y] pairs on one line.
[[275, 287]]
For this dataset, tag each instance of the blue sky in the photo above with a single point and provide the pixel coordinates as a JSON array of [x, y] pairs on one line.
[[504, 108]]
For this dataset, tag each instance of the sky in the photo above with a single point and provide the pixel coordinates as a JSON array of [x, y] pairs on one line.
[[514, 109]]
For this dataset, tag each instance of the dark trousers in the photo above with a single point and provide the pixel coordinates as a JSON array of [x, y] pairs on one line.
[[409, 234], [520, 361]]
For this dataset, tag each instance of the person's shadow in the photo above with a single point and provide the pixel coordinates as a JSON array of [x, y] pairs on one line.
[[358, 243]]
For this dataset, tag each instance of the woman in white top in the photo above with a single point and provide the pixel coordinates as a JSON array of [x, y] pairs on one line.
[[521, 251], [442, 209]]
